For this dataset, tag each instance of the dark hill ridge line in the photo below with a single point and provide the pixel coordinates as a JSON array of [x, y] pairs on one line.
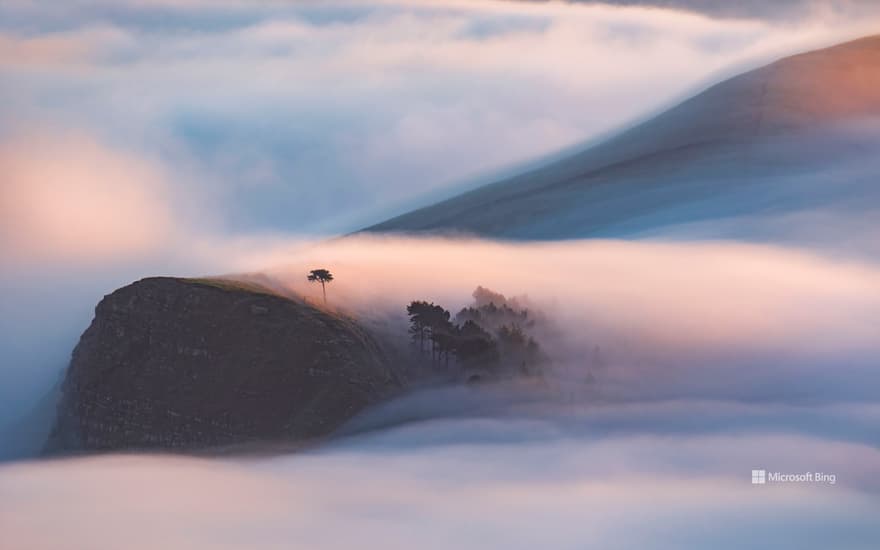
[[189, 364], [723, 133], [228, 284]]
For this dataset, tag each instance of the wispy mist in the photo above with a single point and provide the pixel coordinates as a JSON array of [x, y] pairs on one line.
[[607, 477], [323, 117], [694, 319], [198, 138]]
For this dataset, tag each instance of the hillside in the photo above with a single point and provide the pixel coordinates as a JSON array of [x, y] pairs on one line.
[[795, 136], [184, 364]]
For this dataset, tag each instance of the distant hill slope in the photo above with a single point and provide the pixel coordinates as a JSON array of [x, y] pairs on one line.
[[797, 135], [194, 363]]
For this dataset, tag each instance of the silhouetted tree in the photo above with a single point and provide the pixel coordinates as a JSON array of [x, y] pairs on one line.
[[475, 345], [512, 336], [517, 348], [489, 334], [419, 314], [469, 314], [444, 334], [430, 322], [483, 296], [492, 317], [321, 276], [438, 322]]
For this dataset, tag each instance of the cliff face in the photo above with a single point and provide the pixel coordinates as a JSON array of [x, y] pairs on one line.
[[183, 364]]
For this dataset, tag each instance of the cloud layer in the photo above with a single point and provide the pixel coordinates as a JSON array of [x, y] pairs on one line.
[[189, 137], [518, 481], [669, 320], [70, 199], [778, 10], [321, 117]]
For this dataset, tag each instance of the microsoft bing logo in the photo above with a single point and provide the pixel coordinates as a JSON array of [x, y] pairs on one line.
[[759, 477]]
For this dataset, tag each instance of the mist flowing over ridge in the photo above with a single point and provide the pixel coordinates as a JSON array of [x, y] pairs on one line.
[[795, 139], [775, 10], [714, 359], [657, 317]]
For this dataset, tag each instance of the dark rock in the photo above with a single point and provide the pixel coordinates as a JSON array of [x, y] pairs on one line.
[[186, 364]]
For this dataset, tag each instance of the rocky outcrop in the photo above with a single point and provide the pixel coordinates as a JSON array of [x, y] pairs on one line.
[[186, 364]]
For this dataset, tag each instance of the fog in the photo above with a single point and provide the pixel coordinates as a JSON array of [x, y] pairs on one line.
[[778, 10], [190, 138], [668, 318], [518, 480], [323, 117], [716, 358]]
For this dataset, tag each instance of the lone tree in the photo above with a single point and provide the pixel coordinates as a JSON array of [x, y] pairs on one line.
[[321, 276]]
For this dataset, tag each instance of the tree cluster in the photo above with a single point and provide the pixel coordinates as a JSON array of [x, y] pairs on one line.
[[486, 335], [433, 331]]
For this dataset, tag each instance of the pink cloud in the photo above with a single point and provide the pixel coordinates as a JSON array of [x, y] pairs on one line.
[[70, 198]]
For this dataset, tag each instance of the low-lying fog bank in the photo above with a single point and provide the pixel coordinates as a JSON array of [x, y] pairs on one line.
[[676, 369], [653, 475], [625, 320], [639, 320]]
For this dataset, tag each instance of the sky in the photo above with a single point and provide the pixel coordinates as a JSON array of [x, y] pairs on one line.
[[259, 117], [777, 10]]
